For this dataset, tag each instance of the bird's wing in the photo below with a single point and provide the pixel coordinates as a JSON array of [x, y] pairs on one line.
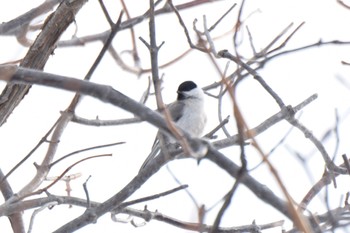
[[176, 110], [152, 155], [157, 145]]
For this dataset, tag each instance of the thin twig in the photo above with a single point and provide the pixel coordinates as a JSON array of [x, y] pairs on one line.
[[112, 96], [241, 125], [85, 149], [251, 41], [225, 205], [195, 226], [217, 128], [325, 180], [273, 149], [149, 198], [98, 122], [43, 139], [106, 94], [291, 119], [135, 54], [193, 199], [105, 12], [130, 23], [154, 49], [264, 51], [183, 25], [88, 204], [298, 218], [13, 26], [346, 163], [222, 17], [35, 212], [309, 135], [286, 40], [62, 174], [16, 219], [316, 44], [226, 54], [43, 167], [207, 35], [114, 30], [220, 99], [61, 125], [132, 69], [237, 26], [343, 4], [146, 93], [336, 133]]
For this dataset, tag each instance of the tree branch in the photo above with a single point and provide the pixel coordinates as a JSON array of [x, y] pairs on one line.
[[39, 53]]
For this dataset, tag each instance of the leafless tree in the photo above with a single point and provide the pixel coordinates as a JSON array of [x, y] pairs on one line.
[[239, 65]]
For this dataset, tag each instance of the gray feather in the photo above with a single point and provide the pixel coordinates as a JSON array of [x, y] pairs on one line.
[[187, 112]]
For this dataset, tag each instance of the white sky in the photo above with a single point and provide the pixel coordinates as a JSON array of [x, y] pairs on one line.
[[294, 77]]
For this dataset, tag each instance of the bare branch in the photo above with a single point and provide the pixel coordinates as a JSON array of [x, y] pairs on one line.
[[222, 17], [16, 219], [14, 26], [88, 204], [182, 23], [217, 128], [309, 135], [62, 174], [148, 215], [43, 139], [149, 198], [132, 31], [243, 67], [227, 202], [226, 54], [325, 180], [83, 150], [114, 30], [343, 4], [346, 163], [107, 94], [98, 122], [105, 12], [39, 53], [43, 207], [43, 168], [284, 42]]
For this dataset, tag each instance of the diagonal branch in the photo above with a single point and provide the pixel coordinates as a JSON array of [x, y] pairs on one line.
[[39, 53], [107, 94], [15, 218], [13, 27]]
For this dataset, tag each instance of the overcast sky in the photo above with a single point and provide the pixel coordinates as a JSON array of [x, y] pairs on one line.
[[294, 77]]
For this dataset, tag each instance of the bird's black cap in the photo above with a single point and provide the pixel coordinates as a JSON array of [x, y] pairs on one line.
[[185, 86]]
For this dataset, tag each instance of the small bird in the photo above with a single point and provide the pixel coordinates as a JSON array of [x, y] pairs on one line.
[[187, 112]]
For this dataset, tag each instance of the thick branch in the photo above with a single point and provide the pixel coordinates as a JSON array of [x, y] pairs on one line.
[[39, 53], [16, 217], [14, 26], [107, 94], [102, 92]]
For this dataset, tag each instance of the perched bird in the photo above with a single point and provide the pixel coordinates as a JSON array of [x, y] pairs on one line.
[[187, 112]]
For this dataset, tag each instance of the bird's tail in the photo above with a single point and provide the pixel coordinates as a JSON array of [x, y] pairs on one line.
[[155, 151]]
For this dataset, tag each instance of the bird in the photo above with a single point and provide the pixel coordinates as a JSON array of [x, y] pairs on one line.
[[187, 112]]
